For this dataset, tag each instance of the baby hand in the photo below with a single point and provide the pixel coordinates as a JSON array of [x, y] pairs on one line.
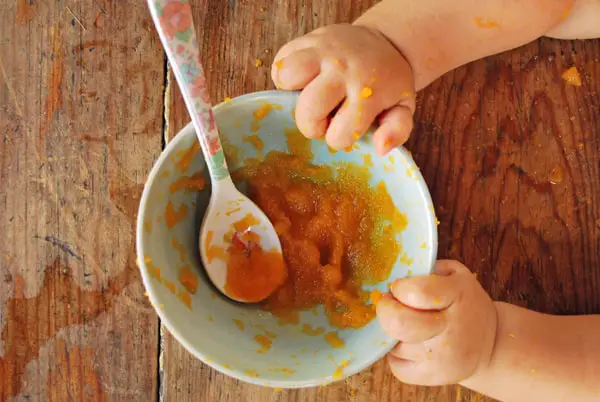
[[349, 75], [445, 324]]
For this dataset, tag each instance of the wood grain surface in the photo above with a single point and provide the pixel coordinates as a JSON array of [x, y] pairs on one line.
[[509, 151], [81, 114]]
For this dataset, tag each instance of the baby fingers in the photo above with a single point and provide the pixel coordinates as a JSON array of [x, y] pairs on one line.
[[407, 324]]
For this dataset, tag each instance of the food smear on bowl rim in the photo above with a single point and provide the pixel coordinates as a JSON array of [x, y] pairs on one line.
[[261, 112], [337, 232]]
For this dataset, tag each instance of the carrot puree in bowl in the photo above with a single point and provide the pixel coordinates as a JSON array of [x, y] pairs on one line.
[[337, 234]]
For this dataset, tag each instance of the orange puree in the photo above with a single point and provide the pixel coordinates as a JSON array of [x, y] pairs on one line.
[[253, 273], [337, 233]]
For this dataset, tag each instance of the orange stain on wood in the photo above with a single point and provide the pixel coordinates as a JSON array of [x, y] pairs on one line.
[[54, 95], [25, 12], [24, 334], [572, 76], [83, 384]]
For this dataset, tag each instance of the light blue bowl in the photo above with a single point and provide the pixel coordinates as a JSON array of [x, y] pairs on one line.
[[207, 329]]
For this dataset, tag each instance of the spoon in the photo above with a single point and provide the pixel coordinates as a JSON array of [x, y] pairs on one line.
[[230, 215]]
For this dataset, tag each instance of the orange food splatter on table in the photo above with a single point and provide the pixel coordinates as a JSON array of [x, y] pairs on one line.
[[172, 216], [337, 233], [376, 296], [195, 183], [308, 330], [486, 23], [261, 112], [557, 175], [572, 77], [213, 251], [188, 279], [264, 342], [339, 371], [239, 324], [334, 340], [184, 163]]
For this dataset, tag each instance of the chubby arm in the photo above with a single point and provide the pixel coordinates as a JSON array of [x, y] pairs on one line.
[[437, 36], [541, 357], [583, 22]]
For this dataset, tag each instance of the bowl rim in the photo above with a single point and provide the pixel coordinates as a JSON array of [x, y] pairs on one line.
[[381, 351]]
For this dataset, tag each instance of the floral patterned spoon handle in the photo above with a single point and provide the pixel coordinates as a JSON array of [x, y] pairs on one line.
[[173, 20], [228, 210]]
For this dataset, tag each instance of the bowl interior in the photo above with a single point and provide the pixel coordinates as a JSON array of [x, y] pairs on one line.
[[222, 333]]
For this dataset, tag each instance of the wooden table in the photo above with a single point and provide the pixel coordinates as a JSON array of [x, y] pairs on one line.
[[509, 151]]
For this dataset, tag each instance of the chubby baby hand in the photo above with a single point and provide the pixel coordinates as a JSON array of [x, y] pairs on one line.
[[445, 324], [350, 76]]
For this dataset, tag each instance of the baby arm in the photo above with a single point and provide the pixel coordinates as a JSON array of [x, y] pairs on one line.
[[449, 331], [542, 357], [582, 22], [354, 75], [438, 36]]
